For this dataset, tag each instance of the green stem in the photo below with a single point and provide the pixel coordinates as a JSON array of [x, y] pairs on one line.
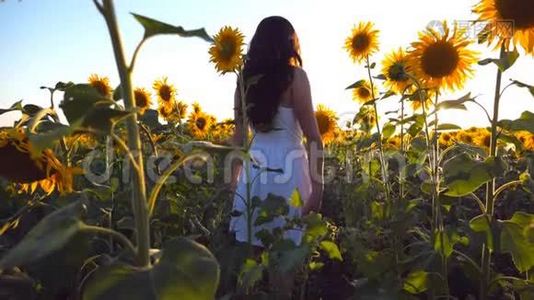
[[139, 203], [401, 170], [246, 163], [119, 237], [380, 146], [490, 186], [504, 187]]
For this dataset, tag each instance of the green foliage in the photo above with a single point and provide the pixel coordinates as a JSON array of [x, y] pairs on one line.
[[515, 240], [463, 174], [505, 62], [85, 108], [525, 122], [155, 27], [186, 270], [416, 282], [50, 235]]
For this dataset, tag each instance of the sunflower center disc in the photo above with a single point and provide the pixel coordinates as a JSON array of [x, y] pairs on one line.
[[201, 123], [165, 93], [520, 11], [440, 59], [364, 92], [360, 42]]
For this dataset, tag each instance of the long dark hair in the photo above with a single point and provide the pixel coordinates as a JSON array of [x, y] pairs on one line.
[[273, 55]]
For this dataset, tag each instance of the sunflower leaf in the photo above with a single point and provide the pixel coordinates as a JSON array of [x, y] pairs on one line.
[[525, 122], [447, 126], [524, 85], [186, 270], [416, 282], [15, 106], [154, 27], [355, 85], [48, 236], [454, 104], [508, 60], [504, 63], [515, 240]]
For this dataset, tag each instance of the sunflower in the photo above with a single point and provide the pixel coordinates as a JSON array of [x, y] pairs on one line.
[[199, 124], [363, 94], [226, 50], [101, 84], [362, 42], [174, 114], [445, 139], [222, 132], [165, 112], [442, 59], [394, 68], [83, 140], [165, 91], [23, 166], [181, 109], [419, 97], [394, 142], [482, 138], [465, 137], [196, 107], [508, 21], [366, 117], [527, 139], [142, 99], [326, 121]]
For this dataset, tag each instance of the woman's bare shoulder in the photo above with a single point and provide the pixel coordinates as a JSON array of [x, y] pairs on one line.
[[299, 75], [300, 84]]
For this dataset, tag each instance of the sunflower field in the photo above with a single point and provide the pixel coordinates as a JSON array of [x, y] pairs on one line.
[[121, 192]]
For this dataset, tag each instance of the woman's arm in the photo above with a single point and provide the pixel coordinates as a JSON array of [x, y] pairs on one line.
[[303, 106], [237, 139]]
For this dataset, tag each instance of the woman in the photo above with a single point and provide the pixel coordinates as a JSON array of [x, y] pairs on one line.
[[280, 113]]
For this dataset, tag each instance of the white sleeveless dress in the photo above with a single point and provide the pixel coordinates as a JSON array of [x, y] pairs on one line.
[[283, 149]]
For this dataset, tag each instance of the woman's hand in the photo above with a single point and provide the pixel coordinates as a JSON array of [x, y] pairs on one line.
[[314, 202]]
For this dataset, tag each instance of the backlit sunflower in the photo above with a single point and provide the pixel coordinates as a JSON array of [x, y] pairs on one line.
[[199, 124], [181, 109], [362, 93], [508, 21], [527, 139], [446, 139], [482, 138], [394, 68], [366, 117], [174, 114], [326, 121], [222, 132], [165, 92], [101, 84], [393, 142], [142, 99], [226, 50], [196, 107], [165, 112], [441, 58], [419, 97], [362, 42], [465, 137], [30, 170]]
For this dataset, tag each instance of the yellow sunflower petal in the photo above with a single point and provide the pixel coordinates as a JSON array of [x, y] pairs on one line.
[[442, 60], [226, 50], [363, 42], [508, 22]]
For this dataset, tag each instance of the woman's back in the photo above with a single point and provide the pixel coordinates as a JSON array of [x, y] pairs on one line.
[[285, 133]]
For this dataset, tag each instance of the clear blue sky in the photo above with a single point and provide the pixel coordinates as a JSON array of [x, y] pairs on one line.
[[46, 41]]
